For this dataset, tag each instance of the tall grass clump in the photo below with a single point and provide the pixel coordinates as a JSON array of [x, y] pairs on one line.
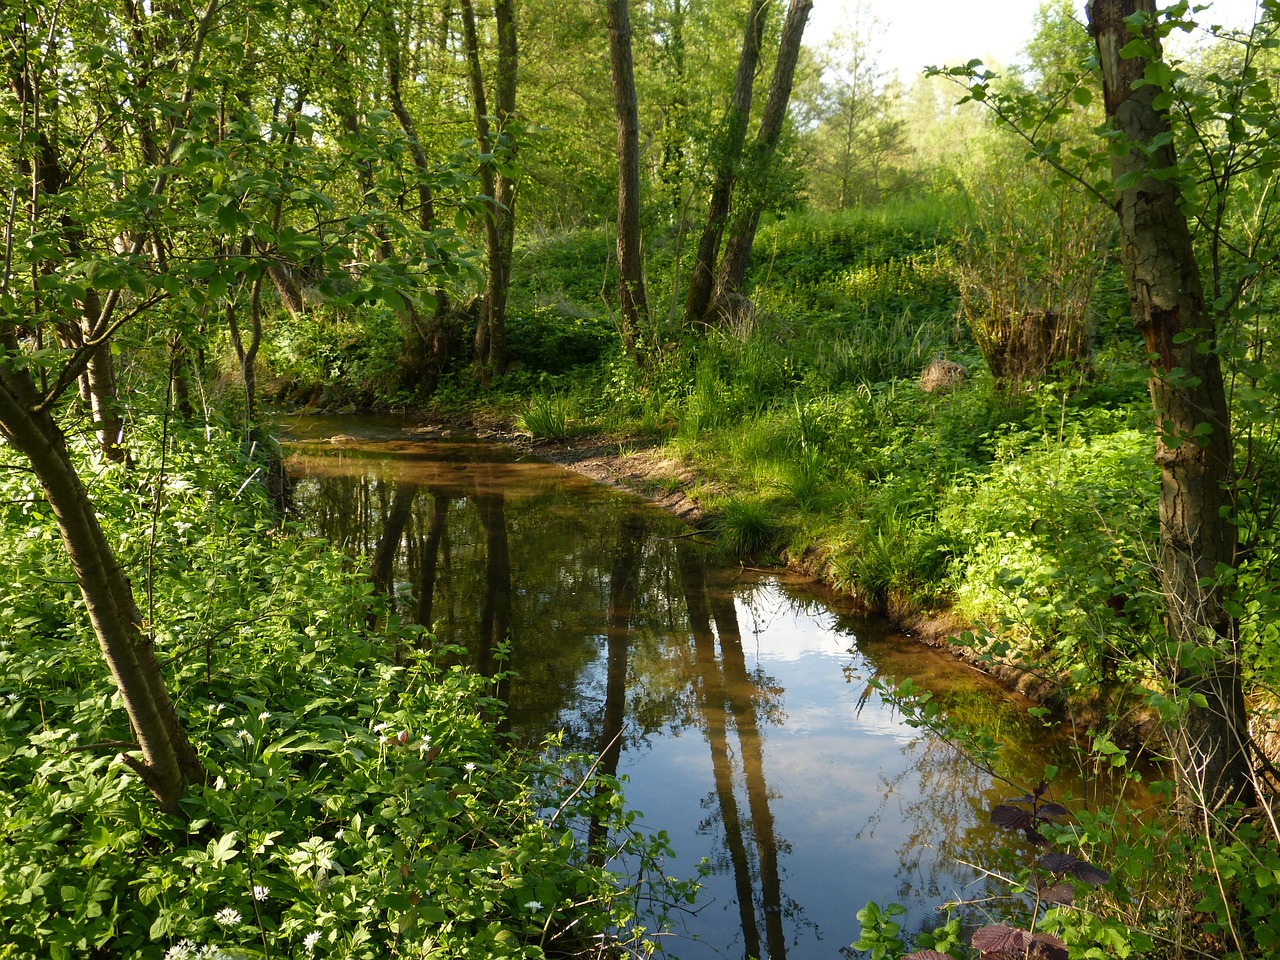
[[545, 418], [744, 527]]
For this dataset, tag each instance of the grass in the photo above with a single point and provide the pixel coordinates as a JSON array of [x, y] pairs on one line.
[[547, 417]]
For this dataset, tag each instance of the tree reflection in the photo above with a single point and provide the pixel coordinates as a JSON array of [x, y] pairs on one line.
[[726, 692], [429, 548], [622, 599]]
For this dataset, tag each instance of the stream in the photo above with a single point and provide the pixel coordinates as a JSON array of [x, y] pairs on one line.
[[736, 704]]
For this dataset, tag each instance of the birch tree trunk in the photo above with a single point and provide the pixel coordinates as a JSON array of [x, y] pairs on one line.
[[1193, 422]]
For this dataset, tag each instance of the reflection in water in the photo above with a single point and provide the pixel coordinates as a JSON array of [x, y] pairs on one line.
[[728, 694], [816, 797]]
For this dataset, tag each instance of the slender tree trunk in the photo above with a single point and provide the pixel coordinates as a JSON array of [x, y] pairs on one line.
[[169, 762], [728, 155], [247, 355], [633, 308], [424, 333], [1193, 436], [491, 338], [505, 183], [737, 251]]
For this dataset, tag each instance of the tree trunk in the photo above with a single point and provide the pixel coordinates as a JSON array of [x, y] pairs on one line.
[[169, 762], [505, 206], [737, 252], [728, 154], [491, 338], [248, 355], [286, 287], [633, 308], [427, 344], [1193, 438]]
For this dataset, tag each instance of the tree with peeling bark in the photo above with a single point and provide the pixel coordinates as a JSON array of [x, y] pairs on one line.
[[1162, 200], [1194, 447]]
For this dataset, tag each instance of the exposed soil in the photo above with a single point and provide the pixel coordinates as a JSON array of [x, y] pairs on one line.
[[640, 467]]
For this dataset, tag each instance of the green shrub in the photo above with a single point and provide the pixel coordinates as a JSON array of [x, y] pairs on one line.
[[546, 340]]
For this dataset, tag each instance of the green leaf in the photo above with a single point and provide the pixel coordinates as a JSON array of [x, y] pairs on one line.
[[1129, 180]]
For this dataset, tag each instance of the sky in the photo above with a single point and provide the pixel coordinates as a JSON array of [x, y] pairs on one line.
[[916, 33]]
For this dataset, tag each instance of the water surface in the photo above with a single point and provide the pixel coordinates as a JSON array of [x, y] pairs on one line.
[[737, 705]]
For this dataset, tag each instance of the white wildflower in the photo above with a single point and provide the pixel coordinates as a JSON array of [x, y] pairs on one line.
[[182, 950], [220, 784], [533, 906], [246, 736], [425, 745], [469, 767], [264, 715], [260, 892], [228, 917], [378, 728], [310, 940]]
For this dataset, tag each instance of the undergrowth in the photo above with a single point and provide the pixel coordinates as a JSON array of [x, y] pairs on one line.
[[359, 802]]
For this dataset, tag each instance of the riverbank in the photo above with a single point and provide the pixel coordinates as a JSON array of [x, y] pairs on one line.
[[650, 469]]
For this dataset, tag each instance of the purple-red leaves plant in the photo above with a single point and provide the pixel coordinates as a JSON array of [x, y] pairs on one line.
[[998, 941], [1002, 942]]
